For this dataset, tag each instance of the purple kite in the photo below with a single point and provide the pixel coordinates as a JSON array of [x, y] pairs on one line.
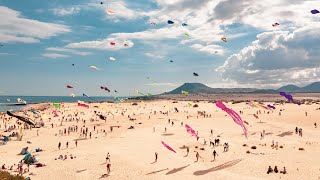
[[191, 131], [315, 11], [289, 97], [236, 118], [168, 147], [271, 107]]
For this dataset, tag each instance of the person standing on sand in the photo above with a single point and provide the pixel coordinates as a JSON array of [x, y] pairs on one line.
[[165, 129], [315, 125], [59, 145], [154, 129], [76, 143], [211, 132], [156, 157], [214, 154], [108, 158], [197, 156], [296, 130], [67, 145], [108, 168]]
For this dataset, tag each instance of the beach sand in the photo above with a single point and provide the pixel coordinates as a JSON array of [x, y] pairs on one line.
[[132, 150]]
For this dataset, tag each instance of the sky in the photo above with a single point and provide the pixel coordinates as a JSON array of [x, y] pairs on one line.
[[47, 45]]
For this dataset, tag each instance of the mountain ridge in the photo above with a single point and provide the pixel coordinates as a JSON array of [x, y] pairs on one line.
[[199, 88]]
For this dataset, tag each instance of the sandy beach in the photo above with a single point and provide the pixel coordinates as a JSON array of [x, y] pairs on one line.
[[132, 151]]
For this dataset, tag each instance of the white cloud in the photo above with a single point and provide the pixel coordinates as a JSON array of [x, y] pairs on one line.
[[72, 51], [102, 44], [278, 57], [66, 11], [54, 55], [210, 49], [154, 55], [14, 28]]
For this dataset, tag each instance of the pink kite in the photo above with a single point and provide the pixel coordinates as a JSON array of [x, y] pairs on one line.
[[236, 118], [69, 87], [81, 103], [168, 147], [191, 131]]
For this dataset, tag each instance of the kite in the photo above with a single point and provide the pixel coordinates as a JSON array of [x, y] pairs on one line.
[[139, 92], [171, 61], [72, 95], [115, 91], [271, 107], [185, 92], [126, 45], [104, 88], [216, 52], [184, 24], [224, 39], [275, 24], [110, 12], [82, 104], [56, 105], [191, 131], [72, 64], [112, 59], [186, 34], [24, 119], [168, 147], [152, 23], [170, 22], [69, 87], [112, 43], [315, 11], [288, 96], [93, 67], [236, 118], [8, 100], [195, 74]]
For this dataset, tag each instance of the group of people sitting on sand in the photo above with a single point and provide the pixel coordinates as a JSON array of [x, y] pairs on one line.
[[61, 157], [275, 170]]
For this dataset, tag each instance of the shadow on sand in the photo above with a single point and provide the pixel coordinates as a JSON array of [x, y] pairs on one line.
[[288, 133], [217, 168], [175, 170], [155, 172], [168, 134]]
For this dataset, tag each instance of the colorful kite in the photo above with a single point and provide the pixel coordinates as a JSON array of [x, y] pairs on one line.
[[69, 87], [24, 119], [271, 107], [236, 118], [315, 11], [185, 92], [224, 39], [93, 67], [191, 131], [104, 88], [57, 105], [110, 12], [184, 24], [82, 104], [168, 147], [170, 22], [275, 24], [153, 23]]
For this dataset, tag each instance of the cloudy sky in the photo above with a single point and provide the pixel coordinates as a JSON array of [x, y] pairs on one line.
[[40, 40]]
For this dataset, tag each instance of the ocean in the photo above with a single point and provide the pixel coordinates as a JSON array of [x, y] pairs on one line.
[[5, 100]]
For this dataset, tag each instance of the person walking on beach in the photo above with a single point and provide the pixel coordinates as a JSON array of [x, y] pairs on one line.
[[211, 132], [76, 143], [59, 145], [108, 157], [315, 125], [187, 151], [156, 157], [108, 168], [214, 154], [165, 129], [67, 145], [154, 129], [197, 156], [296, 130]]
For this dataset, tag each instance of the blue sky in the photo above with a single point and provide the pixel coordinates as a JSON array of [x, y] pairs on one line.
[[42, 39]]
